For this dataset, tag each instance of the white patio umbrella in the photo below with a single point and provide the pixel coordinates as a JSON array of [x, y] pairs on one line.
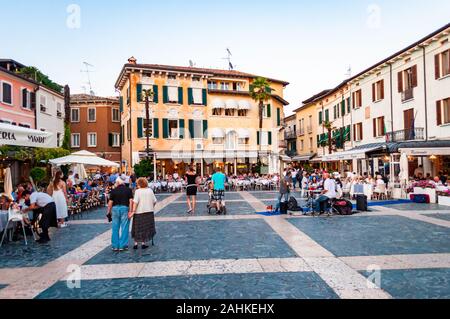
[[81, 170], [404, 169], [8, 186], [83, 157]]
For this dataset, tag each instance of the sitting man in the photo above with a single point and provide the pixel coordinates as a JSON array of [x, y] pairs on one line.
[[329, 193]]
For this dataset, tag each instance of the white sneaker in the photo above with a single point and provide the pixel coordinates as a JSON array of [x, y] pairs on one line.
[[64, 225]]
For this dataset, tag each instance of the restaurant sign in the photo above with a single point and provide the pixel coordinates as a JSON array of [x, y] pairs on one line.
[[21, 136]]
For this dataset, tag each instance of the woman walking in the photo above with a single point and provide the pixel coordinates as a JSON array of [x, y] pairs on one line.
[[119, 204], [191, 189], [58, 190], [143, 208]]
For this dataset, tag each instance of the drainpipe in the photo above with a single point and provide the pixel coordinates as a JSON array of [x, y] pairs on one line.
[[392, 101], [425, 92]]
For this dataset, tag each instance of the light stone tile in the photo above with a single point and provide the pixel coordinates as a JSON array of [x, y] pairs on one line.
[[383, 262], [162, 269], [90, 272], [426, 261]]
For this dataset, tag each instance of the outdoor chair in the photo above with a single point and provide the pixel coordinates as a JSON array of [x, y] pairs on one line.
[[380, 192], [14, 216]]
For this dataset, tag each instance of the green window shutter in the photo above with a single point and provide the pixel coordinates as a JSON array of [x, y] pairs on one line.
[[190, 97], [140, 124], [182, 130], [320, 118], [139, 92], [327, 116], [191, 128], [343, 108], [180, 95], [278, 116], [156, 128], [165, 128], [270, 137], [205, 129], [269, 111], [155, 94], [348, 105], [205, 97], [258, 142], [110, 139], [165, 94], [121, 104]]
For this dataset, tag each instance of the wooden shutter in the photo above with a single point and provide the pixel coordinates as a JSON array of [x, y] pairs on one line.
[[382, 128], [354, 132], [140, 124], [33, 100], [190, 97], [437, 66], [165, 128], [258, 139], [374, 127], [343, 108], [269, 111], [24, 97], [139, 92], [121, 104], [414, 76], [155, 94], [205, 97], [180, 95], [269, 137], [181, 128], [400, 81], [353, 100], [360, 131], [205, 129], [373, 92], [191, 129], [382, 90], [360, 98], [320, 118], [278, 116], [156, 128], [110, 139], [165, 94], [438, 113]]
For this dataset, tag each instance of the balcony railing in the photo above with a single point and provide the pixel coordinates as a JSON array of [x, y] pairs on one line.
[[291, 153], [408, 94], [289, 135], [301, 132], [416, 134]]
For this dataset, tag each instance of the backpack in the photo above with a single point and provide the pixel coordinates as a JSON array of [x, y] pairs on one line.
[[293, 205]]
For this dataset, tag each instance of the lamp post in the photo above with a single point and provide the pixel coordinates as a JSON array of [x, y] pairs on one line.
[[147, 95]]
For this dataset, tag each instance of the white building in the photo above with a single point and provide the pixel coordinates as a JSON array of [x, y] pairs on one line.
[[398, 107], [50, 113]]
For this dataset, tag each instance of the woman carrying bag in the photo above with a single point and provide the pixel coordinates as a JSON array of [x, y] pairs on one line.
[[143, 208]]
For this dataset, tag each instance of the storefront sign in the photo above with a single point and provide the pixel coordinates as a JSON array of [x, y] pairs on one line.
[[21, 136]]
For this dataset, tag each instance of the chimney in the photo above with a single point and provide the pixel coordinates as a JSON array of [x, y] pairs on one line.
[[132, 60]]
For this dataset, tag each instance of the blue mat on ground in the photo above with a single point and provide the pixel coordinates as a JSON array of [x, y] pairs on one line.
[[387, 203], [268, 214]]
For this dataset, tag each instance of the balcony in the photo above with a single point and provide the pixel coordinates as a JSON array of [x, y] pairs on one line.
[[282, 144], [290, 135], [408, 94], [291, 153], [416, 134], [301, 132]]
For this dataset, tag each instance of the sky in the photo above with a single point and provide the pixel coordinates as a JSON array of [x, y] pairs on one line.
[[310, 44]]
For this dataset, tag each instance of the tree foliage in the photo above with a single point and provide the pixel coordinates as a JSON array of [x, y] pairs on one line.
[[144, 168], [35, 74], [38, 174], [66, 140], [46, 154]]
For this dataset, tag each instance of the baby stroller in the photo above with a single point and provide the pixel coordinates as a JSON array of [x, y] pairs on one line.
[[216, 203]]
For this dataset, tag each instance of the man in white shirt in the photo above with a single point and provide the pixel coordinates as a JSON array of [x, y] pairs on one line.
[[329, 193], [44, 211]]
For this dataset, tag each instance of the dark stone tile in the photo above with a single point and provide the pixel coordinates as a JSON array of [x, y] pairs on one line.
[[440, 216], [416, 283], [304, 285], [375, 235], [418, 207], [180, 209], [200, 240], [16, 254]]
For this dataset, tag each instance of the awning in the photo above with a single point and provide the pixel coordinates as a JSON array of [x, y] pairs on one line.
[[285, 158], [22, 136], [243, 133], [231, 104], [349, 155], [85, 158], [425, 151], [218, 104], [217, 133], [303, 158], [244, 105]]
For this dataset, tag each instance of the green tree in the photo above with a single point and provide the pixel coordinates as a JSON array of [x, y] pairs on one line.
[[38, 174], [144, 168], [46, 154], [66, 140], [329, 127], [260, 92], [35, 74]]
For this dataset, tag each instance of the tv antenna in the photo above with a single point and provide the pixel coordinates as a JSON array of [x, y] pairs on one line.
[[349, 72], [192, 63], [88, 71], [228, 58]]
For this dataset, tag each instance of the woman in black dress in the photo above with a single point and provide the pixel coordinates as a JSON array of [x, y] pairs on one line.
[[191, 189]]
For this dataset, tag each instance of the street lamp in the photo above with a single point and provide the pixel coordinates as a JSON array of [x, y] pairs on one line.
[[147, 95]]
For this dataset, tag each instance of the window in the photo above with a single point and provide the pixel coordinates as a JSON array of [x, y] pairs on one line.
[[320, 118], [115, 115], [378, 91], [301, 127], [242, 112], [217, 140], [92, 139], [115, 139], [6, 93], [43, 103], [244, 141], [229, 112], [129, 94], [26, 99], [24, 125], [230, 140], [122, 134], [172, 77], [265, 139], [212, 85], [75, 140], [144, 127], [92, 115], [442, 64], [407, 81], [357, 132], [443, 112], [129, 130], [302, 145], [58, 139], [75, 115], [173, 129], [310, 143], [198, 129], [224, 86], [357, 99], [310, 124], [327, 115], [217, 112], [378, 127], [58, 110]]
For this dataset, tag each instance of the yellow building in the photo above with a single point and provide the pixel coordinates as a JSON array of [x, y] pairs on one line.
[[200, 116]]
